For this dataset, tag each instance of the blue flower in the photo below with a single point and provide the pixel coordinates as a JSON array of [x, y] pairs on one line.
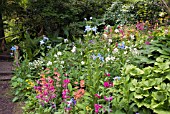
[[121, 45], [94, 29], [100, 57], [45, 38], [87, 28], [117, 78], [13, 48], [42, 42], [94, 57], [71, 102]]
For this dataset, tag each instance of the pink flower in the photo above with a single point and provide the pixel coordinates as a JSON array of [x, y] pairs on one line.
[[147, 43], [140, 26], [97, 108], [66, 81], [108, 84], [108, 98], [107, 74], [64, 94], [97, 95]]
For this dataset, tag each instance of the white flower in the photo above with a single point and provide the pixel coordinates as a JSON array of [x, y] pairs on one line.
[[107, 59], [125, 52], [115, 50], [45, 38], [49, 63], [132, 36], [90, 18], [161, 14], [62, 62], [59, 53], [42, 42], [85, 19], [74, 49], [55, 55], [110, 40], [82, 62], [166, 31], [108, 49], [116, 30], [65, 40], [112, 58], [105, 36]]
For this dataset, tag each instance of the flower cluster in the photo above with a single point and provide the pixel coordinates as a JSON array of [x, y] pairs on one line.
[[46, 90], [80, 92], [98, 56], [36, 63]]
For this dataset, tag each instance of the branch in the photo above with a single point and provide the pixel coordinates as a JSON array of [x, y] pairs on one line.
[[13, 35], [166, 5]]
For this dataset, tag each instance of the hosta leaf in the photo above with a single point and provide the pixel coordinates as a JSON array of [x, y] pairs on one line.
[[159, 96], [159, 111], [137, 96]]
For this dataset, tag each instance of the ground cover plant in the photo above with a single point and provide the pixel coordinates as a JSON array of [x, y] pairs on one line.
[[123, 70]]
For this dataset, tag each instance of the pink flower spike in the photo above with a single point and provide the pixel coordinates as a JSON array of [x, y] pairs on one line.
[[147, 43], [97, 95], [97, 108], [66, 81], [108, 98]]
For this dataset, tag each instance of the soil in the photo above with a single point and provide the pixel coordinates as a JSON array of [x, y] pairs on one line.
[[6, 104], [6, 96]]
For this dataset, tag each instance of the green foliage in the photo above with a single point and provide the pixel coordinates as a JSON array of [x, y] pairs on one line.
[[150, 83], [120, 13]]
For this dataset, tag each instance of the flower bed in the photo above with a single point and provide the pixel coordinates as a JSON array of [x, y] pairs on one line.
[[124, 69]]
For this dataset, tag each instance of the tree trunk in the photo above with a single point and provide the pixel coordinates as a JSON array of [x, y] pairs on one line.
[[2, 41]]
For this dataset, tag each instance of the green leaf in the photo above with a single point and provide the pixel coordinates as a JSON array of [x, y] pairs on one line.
[[70, 87], [137, 96], [58, 112], [81, 106], [15, 99], [160, 111], [119, 112], [159, 96]]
